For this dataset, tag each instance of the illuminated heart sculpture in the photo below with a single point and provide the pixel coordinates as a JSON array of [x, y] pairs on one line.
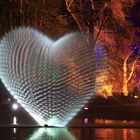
[[52, 80]]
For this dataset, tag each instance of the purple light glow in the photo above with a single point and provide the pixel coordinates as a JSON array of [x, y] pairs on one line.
[[85, 120]]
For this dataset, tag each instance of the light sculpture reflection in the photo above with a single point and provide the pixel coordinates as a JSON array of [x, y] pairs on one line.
[[52, 134], [52, 80]]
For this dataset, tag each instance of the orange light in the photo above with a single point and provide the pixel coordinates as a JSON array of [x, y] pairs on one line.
[[136, 97]]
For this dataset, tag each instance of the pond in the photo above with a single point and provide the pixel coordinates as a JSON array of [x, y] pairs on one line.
[[83, 133]]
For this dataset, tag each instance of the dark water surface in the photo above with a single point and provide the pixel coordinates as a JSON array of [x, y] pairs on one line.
[[69, 134], [126, 129]]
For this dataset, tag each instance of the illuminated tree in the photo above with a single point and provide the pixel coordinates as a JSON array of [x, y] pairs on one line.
[[127, 76], [86, 13], [108, 21]]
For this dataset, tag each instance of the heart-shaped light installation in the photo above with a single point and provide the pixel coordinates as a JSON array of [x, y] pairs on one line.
[[52, 80]]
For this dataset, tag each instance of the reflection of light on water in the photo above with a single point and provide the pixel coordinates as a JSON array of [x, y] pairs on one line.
[[52, 133], [37, 134], [117, 134], [14, 130], [14, 120], [128, 133]]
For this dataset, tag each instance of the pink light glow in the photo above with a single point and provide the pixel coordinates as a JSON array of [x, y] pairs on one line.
[[85, 120], [86, 108]]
